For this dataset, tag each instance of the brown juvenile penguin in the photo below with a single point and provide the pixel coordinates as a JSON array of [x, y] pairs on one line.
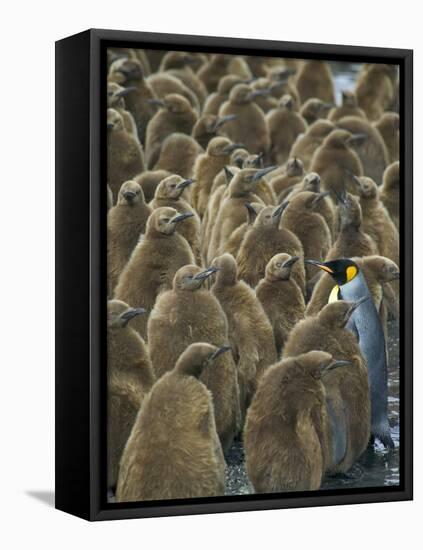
[[175, 115], [351, 239], [281, 297], [292, 123], [294, 173], [179, 64], [125, 157], [173, 450], [306, 145], [250, 126], [217, 98], [349, 107], [219, 65], [178, 155], [190, 313], [347, 389], [264, 98], [303, 216], [154, 262], [129, 73], [110, 200], [116, 100], [232, 211], [250, 332], [389, 128], [125, 223], [265, 238], [169, 193], [375, 88], [208, 126], [234, 242], [286, 436], [314, 79], [314, 109], [206, 168], [390, 191], [129, 378], [164, 84], [371, 149], [149, 180], [334, 158], [263, 188]]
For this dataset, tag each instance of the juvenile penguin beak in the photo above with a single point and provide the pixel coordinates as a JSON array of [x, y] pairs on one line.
[[185, 183], [131, 313], [228, 173], [206, 273], [335, 365], [354, 178], [258, 93], [279, 210], [250, 208], [181, 217], [231, 147], [357, 139], [110, 125], [291, 261], [258, 161], [126, 91], [129, 195], [219, 351], [319, 198], [262, 172], [321, 265], [223, 120], [157, 102]]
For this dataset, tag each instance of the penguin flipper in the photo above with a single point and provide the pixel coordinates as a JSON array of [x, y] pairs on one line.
[[353, 328]]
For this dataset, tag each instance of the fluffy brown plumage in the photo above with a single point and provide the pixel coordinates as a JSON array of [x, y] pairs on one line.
[[306, 145], [390, 191], [314, 79]]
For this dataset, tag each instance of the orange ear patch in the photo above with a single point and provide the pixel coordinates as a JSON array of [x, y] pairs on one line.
[[351, 273]]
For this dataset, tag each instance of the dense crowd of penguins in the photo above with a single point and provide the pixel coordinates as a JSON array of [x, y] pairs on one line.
[[252, 266]]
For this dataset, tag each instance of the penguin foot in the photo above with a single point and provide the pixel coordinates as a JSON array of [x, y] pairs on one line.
[[387, 441]]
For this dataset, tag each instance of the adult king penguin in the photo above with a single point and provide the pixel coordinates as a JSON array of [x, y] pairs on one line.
[[366, 324]]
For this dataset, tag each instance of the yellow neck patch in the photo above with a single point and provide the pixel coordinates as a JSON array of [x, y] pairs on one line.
[[351, 273], [333, 296]]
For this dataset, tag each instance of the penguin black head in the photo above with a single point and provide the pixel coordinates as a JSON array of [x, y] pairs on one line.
[[342, 270]]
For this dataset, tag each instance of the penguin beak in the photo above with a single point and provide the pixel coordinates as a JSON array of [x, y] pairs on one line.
[[320, 265], [319, 198], [250, 209], [126, 91], [357, 139], [228, 173], [258, 93], [223, 120], [257, 162], [129, 195], [289, 263], [262, 172], [335, 365], [131, 313], [354, 178], [157, 102], [219, 351], [185, 183], [279, 210], [231, 147], [181, 217], [277, 85], [206, 273], [110, 125]]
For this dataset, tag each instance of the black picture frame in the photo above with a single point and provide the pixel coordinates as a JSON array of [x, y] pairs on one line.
[[81, 273]]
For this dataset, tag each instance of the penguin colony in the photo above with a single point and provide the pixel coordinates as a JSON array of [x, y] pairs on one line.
[[252, 266]]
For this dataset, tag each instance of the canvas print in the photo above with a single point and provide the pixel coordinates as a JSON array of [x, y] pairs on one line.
[[252, 275]]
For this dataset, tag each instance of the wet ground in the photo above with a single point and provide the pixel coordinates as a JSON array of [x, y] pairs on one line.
[[375, 468]]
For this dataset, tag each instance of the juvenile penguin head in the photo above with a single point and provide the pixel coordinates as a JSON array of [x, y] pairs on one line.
[[238, 157], [126, 70], [227, 82], [349, 99], [306, 201], [349, 211], [197, 357], [114, 121], [241, 94], [130, 193], [366, 187], [253, 161], [314, 109], [116, 95], [318, 363], [338, 139], [389, 121], [270, 216], [246, 180], [280, 267], [311, 182], [227, 269], [191, 277], [294, 167], [164, 220], [286, 102], [337, 314], [384, 269], [177, 60], [119, 314], [253, 210], [172, 187], [208, 125], [175, 104], [221, 146], [320, 129], [391, 177], [342, 270]]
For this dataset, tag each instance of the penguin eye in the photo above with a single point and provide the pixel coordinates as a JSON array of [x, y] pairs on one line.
[[278, 265], [173, 185], [166, 220], [137, 192]]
